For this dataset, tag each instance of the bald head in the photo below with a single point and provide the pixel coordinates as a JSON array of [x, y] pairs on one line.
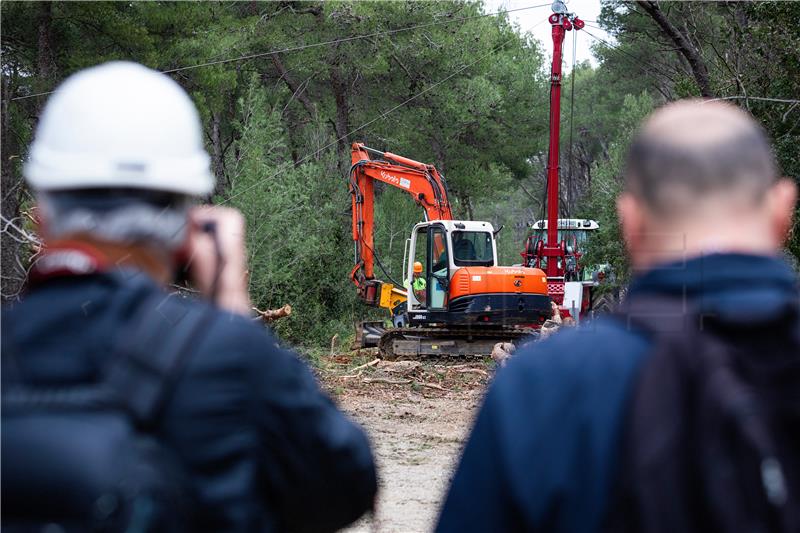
[[692, 152], [701, 178]]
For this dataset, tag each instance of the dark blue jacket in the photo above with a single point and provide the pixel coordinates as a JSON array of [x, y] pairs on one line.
[[542, 454], [263, 447]]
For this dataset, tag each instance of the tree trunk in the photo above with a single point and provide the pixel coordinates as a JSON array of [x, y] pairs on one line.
[[10, 185], [217, 155], [342, 122], [684, 45], [468, 206], [438, 153], [45, 60], [298, 92]]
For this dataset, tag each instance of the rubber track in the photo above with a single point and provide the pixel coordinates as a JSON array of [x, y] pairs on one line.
[[505, 335]]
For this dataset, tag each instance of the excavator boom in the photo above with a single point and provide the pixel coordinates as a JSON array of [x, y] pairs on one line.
[[423, 182]]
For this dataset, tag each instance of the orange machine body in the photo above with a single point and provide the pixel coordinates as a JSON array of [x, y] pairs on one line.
[[497, 280]]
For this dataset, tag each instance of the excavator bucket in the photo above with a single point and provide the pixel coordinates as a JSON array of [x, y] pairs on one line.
[[368, 334]]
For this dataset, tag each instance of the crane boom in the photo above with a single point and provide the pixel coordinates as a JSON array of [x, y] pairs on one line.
[[552, 254], [552, 249]]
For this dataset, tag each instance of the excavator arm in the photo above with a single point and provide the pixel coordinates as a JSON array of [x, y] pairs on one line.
[[425, 185]]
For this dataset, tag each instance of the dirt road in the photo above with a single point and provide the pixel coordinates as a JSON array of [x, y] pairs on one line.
[[417, 417]]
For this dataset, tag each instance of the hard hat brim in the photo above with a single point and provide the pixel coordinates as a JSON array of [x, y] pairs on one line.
[[48, 170]]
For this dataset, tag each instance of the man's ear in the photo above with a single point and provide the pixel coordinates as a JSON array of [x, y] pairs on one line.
[[631, 220], [781, 203]]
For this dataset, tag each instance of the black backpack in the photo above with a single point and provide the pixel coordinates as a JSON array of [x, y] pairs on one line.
[[83, 457], [711, 440]]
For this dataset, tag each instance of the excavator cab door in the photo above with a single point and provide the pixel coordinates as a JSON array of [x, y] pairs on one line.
[[429, 247], [439, 271]]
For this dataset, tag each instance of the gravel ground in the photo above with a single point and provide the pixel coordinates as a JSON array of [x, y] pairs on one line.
[[417, 417]]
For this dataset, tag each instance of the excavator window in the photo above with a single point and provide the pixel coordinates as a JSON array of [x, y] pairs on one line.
[[473, 248]]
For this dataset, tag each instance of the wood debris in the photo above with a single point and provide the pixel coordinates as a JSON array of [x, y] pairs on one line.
[[433, 386], [333, 344], [387, 381], [502, 351], [400, 367], [365, 365], [473, 371]]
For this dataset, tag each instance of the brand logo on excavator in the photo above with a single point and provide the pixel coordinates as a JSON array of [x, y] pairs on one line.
[[402, 182]]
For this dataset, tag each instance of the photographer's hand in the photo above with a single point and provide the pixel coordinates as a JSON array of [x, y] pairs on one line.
[[229, 290]]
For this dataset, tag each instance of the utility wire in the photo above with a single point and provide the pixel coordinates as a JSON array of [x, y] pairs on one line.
[[325, 43], [381, 116], [644, 67], [757, 98], [571, 123]]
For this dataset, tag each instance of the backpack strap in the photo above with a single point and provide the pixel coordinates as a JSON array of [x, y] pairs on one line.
[[151, 357]]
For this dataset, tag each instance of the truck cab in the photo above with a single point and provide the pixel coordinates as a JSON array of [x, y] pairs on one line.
[[572, 292], [574, 233]]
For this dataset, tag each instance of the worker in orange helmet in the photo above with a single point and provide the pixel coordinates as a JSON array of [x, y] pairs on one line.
[[418, 284]]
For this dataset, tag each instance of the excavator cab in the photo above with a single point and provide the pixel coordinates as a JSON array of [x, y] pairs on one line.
[[464, 286], [444, 246]]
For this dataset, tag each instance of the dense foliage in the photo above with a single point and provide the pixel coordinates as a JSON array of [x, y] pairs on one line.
[[436, 81], [736, 51]]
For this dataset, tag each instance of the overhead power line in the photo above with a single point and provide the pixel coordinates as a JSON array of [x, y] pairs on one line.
[[757, 98], [645, 67], [324, 43], [650, 67]]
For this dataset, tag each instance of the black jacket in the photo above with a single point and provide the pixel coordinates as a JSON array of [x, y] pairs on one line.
[[263, 448]]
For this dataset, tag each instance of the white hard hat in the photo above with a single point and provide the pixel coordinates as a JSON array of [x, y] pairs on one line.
[[120, 125]]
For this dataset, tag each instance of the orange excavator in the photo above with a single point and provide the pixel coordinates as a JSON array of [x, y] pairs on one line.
[[462, 302]]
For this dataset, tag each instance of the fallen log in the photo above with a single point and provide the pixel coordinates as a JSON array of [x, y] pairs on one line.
[[273, 314]]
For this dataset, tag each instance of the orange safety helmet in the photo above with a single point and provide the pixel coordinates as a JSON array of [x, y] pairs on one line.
[[417, 267]]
